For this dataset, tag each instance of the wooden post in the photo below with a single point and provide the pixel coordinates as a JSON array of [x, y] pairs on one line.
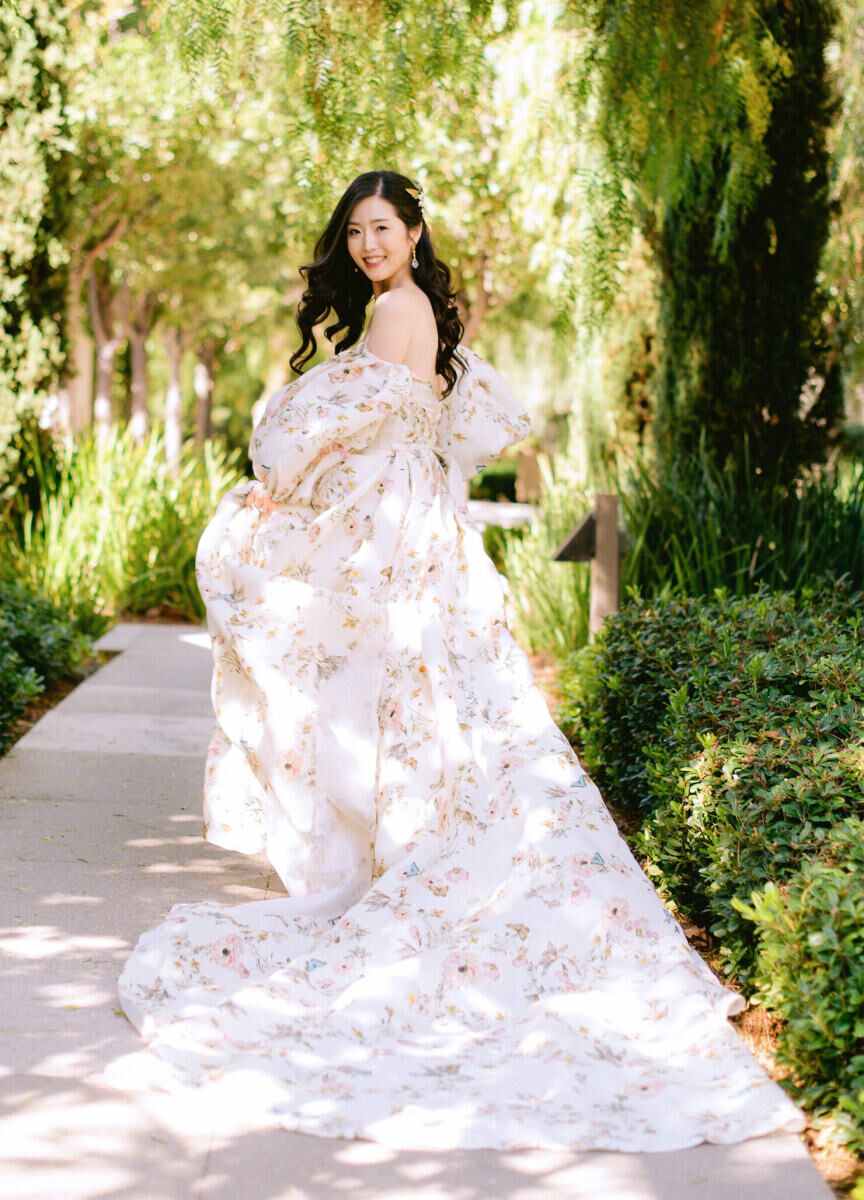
[[606, 564], [596, 539]]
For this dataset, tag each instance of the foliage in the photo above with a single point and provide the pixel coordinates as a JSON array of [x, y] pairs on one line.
[[736, 726], [548, 601], [33, 205], [119, 531], [841, 265], [745, 356], [810, 972], [496, 482], [38, 644], [692, 528]]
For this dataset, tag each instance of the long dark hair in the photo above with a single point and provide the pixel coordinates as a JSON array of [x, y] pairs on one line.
[[333, 284]]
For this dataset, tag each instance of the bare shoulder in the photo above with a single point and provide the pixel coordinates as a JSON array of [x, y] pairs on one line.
[[403, 330]]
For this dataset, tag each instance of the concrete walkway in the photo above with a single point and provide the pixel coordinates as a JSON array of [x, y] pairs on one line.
[[99, 835]]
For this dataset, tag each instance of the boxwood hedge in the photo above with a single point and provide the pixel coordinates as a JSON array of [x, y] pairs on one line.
[[735, 729], [38, 644]]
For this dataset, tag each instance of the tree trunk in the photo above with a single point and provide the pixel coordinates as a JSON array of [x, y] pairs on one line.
[[108, 340], [139, 330], [173, 339], [75, 394], [746, 368], [203, 383], [480, 307]]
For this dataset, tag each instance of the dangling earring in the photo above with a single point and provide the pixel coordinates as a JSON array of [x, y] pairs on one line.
[[414, 262]]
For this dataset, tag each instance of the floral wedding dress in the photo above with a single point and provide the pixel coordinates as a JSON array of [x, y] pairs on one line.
[[468, 954]]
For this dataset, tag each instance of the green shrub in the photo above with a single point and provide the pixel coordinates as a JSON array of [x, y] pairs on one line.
[[735, 726], [38, 644], [42, 636], [119, 530], [549, 600], [692, 529], [495, 482], [19, 684], [811, 973]]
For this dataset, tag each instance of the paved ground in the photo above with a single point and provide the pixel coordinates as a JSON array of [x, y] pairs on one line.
[[99, 835]]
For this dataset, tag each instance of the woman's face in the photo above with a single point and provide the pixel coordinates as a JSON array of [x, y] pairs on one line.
[[379, 241]]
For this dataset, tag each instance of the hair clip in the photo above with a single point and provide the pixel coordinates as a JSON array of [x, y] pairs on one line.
[[417, 194]]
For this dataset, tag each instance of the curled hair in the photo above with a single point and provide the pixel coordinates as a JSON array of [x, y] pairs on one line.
[[333, 285]]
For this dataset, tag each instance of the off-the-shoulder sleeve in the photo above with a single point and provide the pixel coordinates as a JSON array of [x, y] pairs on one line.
[[310, 425], [480, 416]]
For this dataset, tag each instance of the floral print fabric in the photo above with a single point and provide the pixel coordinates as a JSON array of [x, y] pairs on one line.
[[468, 954]]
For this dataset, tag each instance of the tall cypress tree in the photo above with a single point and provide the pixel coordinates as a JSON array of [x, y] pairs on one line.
[[34, 173], [744, 353]]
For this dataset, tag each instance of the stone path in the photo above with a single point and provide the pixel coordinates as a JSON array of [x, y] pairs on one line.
[[99, 835]]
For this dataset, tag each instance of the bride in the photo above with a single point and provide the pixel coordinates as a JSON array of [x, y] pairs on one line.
[[467, 953]]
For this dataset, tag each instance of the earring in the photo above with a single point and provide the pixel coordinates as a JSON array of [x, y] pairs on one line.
[[414, 262]]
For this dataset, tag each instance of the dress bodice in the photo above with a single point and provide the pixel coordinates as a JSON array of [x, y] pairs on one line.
[[417, 420]]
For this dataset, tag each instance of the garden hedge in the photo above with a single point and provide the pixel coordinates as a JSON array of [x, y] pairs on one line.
[[38, 645], [735, 729]]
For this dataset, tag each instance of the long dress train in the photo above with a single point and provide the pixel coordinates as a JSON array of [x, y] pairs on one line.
[[468, 954]]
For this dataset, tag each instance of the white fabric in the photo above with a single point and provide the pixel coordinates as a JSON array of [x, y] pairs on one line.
[[469, 955]]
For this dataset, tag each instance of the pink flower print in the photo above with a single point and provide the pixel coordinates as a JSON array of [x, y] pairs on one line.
[[642, 928], [580, 892], [348, 925], [227, 952], [436, 885], [647, 1087], [314, 532], [402, 913], [291, 763], [563, 977], [456, 874], [383, 486], [328, 1086], [391, 717], [462, 967], [350, 526], [616, 911], [382, 406], [434, 570], [510, 762], [582, 866], [491, 971], [557, 821], [344, 374], [345, 965], [256, 497]]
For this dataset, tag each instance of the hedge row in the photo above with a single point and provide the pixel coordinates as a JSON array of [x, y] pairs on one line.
[[736, 729], [38, 645]]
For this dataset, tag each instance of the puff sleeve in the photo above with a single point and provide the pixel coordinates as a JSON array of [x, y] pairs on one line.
[[480, 417], [312, 424]]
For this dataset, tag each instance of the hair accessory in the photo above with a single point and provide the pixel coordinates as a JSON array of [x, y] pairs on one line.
[[417, 194]]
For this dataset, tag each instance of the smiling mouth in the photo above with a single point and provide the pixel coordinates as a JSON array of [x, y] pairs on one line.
[[373, 262]]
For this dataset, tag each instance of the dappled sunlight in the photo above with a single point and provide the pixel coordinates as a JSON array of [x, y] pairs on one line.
[[149, 843], [40, 942], [201, 640], [71, 996]]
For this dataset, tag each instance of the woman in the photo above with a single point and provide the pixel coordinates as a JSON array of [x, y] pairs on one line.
[[467, 954]]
